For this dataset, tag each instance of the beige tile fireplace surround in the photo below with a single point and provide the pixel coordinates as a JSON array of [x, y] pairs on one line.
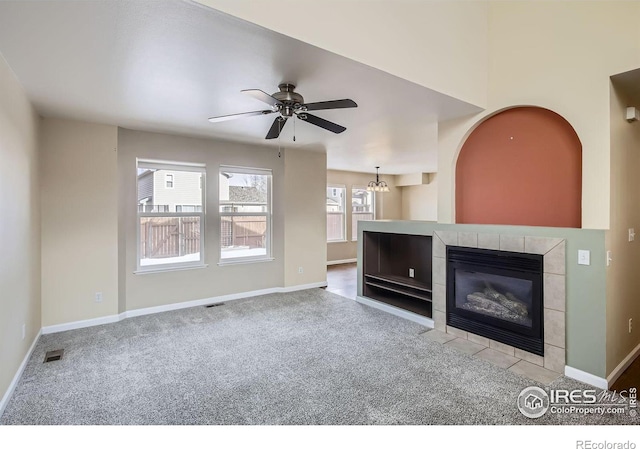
[[543, 369]]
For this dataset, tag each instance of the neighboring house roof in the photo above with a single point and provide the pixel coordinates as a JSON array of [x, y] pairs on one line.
[[244, 194]]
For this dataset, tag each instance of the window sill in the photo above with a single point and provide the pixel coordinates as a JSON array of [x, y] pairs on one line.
[[164, 270], [244, 261], [337, 241]]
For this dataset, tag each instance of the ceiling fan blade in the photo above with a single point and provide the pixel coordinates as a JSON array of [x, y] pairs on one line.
[[224, 118], [262, 96], [333, 104], [322, 123], [276, 127]]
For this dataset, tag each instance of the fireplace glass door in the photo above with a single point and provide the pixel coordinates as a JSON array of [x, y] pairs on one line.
[[496, 294], [502, 297]]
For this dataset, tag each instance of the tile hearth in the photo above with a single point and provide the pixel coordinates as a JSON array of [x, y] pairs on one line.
[[541, 369]]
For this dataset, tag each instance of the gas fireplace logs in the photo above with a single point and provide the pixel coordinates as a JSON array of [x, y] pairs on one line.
[[492, 302]]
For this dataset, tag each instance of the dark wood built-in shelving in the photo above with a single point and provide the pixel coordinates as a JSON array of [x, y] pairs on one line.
[[386, 263], [406, 286]]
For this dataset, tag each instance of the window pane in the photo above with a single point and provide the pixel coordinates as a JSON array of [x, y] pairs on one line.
[[244, 236], [336, 213], [362, 208], [335, 226], [168, 240], [240, 192], [161, 192], [244, 191], [335, 199]]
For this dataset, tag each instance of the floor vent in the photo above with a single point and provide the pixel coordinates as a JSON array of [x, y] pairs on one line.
[[52, 356], [214, 305]]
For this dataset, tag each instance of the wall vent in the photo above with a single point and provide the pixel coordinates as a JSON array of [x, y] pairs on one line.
[[52, 356]]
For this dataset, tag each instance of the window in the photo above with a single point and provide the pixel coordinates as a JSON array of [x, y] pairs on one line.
[[170, 220], [245, 214], [336, 221], [362, 208]]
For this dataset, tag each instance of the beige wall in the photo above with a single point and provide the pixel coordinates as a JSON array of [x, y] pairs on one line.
[[88, 193], [305, 236], [388, 207], [161, 288], [420, 202], [19, 226], [623, 282], [440, 45], [557, 55], [79, 221]]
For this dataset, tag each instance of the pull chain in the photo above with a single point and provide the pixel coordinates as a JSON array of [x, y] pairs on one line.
[[294, 128], [279, 140]]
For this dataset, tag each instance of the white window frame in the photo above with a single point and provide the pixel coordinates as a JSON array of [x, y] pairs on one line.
[[344, 212], [373, 204], [177, 166], [268, 214]]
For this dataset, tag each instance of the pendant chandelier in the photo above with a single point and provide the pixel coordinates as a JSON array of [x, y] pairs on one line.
[[377, 185]]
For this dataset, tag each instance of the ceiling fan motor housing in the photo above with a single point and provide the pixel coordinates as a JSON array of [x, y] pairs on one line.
[[291, 101]]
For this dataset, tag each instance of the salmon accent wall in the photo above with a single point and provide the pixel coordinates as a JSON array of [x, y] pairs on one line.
[[522, 166]]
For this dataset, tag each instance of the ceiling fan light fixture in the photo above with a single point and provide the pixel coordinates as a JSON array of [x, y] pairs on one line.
[[288, 103], [377, 185]]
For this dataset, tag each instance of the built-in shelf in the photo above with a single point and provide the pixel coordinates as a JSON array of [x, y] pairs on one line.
[[396, 284], [387, 262]]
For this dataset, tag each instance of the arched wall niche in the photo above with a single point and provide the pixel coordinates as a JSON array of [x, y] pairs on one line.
[[521, 166]]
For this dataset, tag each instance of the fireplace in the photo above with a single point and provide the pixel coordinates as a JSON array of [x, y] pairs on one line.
[[496, 294]]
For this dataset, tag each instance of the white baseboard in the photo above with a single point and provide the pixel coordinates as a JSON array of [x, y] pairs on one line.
[[626, 363], [338, 262], [80, 324], [296, 288], [587, 378], [18, 375], [199, 302], [428, 322], [175, 306]]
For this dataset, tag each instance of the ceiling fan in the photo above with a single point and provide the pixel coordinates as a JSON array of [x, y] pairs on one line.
[[289, 104]]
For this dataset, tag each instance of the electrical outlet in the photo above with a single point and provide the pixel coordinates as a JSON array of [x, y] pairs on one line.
[[24, 330], [412, 273], [630, 324], [632, 234], [98, 296], [300, 270], [584, 257]]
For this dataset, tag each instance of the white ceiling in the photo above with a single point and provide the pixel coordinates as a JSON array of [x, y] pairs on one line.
[[169, 65]]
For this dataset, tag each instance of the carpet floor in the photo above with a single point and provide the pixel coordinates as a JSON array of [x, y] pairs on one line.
[[309, 357]]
